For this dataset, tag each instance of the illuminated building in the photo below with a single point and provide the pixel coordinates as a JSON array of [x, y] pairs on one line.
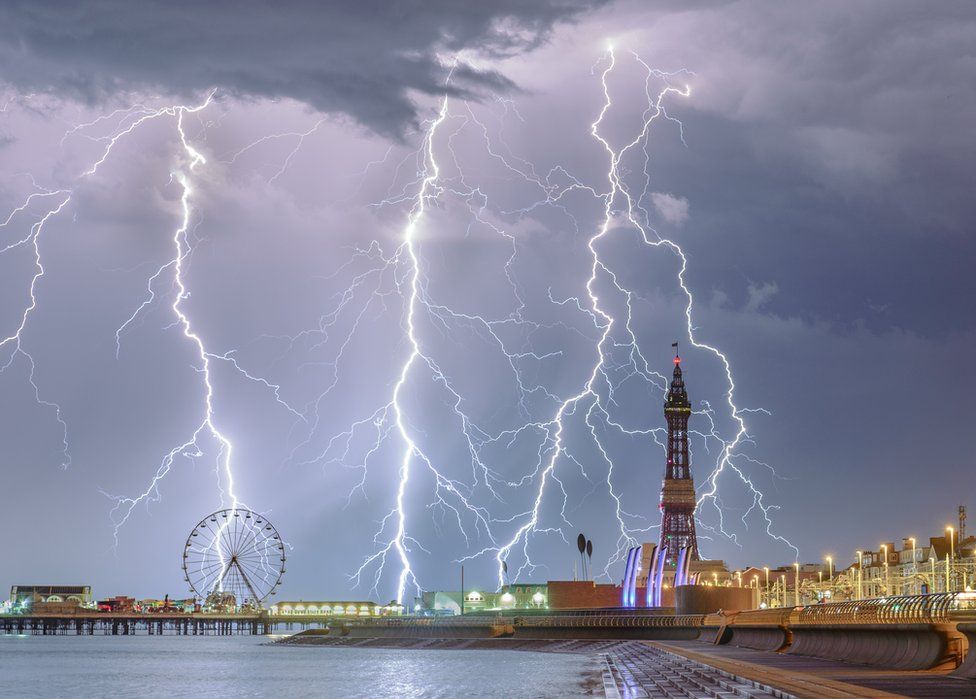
[[332, 608], [513, 596], [50, 597]]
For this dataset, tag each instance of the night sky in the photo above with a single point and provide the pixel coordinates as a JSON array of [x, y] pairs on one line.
[[813, 162]]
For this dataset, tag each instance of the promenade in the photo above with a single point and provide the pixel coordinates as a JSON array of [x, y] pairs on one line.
[[803, 676], [668, 669]]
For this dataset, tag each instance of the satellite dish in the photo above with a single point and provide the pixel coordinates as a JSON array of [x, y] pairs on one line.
[[581, 543]]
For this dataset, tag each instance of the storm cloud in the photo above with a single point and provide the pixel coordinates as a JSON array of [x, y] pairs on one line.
[[362, 59]]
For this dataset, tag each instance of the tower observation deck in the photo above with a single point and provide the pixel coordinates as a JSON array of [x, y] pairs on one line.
[[678, 491]]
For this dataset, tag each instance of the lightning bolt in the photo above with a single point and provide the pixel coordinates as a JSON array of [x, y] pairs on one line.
[[411, 451], [129, 120], [728, 452], [298, 136], [625, 210], [124, 122], [15, 341], [192, 447]]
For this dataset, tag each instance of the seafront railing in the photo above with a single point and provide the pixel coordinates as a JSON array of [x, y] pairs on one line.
[[908, 609], [613, 620]]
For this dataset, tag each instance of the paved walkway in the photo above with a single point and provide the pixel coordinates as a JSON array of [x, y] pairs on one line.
[[637, 670], [813, 677]]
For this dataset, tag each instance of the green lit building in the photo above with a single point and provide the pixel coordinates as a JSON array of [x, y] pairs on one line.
[[514, 597]]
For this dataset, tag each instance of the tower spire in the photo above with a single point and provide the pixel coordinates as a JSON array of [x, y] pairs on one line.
[[678, 491]]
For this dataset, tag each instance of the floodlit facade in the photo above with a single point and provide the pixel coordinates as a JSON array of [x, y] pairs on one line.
[[514, 596], [333, 608], [38, 597]]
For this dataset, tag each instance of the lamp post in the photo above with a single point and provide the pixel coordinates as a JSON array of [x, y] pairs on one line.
[[830, 575], [932, 561], [766, 571], [914, 567], [796, 585], [884, 547], [782, 579], [949, 561], [860, 573]]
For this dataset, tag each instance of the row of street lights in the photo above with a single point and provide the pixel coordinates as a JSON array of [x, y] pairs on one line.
[[859, 581], [949, 566]]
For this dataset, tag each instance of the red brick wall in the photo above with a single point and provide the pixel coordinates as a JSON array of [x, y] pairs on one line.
[[583, 594]]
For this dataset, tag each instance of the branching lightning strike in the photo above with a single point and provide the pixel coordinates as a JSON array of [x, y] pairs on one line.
[[127, 121]]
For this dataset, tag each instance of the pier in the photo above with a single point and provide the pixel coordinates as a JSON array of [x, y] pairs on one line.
[[137, 624]]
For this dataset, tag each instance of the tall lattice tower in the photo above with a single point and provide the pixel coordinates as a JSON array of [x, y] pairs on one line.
[[678, 491]]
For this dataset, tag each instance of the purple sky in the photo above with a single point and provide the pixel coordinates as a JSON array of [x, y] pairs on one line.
[[814, 164]]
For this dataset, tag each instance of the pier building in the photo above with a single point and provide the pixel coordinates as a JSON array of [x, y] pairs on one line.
[[331, 608], [51, 598]]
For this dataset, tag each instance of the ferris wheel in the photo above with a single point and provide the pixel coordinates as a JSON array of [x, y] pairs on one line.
[[234, 552]]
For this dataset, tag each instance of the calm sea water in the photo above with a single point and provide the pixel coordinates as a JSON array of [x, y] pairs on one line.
[[138, 666]]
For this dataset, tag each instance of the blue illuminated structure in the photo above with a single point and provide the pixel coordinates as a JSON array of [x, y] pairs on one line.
[[629, 583]]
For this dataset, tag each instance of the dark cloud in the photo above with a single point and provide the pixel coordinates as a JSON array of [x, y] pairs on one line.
[[828, 145], [363, 59]]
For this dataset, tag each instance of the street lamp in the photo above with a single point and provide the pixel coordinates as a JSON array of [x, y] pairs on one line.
[[830, 575], [782, 579], [860, 573], [766, 570], [950, 557], [914, 567], [884, 547], [796, 585]]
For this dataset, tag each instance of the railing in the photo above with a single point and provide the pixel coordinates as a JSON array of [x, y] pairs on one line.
[[613, 621], [428, 621], [911, 609], [777, 616], [573, 621]]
